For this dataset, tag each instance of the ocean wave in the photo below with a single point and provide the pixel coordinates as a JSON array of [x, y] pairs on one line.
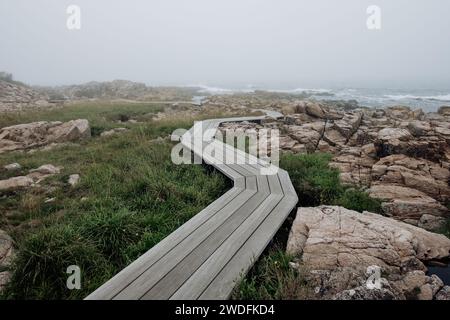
[[301, 90], [218, 90], [443, 97]]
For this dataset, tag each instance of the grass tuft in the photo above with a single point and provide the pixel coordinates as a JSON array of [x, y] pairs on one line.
[[273, 278], [318, 184]]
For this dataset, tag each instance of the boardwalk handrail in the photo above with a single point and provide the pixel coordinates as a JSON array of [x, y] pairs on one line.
[[205, 257]]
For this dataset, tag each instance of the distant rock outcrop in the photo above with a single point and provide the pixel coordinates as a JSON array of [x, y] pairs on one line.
[[116, 89], [16, 97]]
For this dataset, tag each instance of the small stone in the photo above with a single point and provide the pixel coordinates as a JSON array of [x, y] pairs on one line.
[[112, 132], [294, 265], [74, 179], [47, 169], [436, 284], [12, 167], [50, 200], [5, 277], [443, 294]]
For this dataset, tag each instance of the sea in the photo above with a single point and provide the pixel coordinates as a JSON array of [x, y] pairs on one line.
[[429, 100]]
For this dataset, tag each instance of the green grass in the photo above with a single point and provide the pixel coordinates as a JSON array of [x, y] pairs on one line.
[[318, 184], [130, 197], [101, 115], [273, 278], [445, 230]]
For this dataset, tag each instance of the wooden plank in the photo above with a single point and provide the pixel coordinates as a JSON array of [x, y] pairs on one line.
[[168, 285], [137, 288], [239, 183], [286, 183], [274, 184], [224, 282], [131, 272], [206, 273]]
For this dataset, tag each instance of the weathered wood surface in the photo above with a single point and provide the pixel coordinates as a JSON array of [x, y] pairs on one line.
[[206, 256]]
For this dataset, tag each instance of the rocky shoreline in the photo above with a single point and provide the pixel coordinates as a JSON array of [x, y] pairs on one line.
[[398, 155]]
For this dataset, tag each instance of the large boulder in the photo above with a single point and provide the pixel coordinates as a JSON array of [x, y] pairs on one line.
[[391, 141], [349, 124], [70, 131], [37, 134], [404, 113], [338, 247], [308, 135], [419, 128], [405, 203], [317, 110], [420, 174]]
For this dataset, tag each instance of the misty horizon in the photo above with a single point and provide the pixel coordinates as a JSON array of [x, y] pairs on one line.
[[234, 44]]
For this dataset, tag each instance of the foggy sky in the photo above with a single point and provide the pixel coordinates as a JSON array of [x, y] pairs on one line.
[[276, 43]]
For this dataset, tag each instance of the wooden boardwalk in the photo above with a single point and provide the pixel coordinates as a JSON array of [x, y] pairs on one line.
[[206, 256]]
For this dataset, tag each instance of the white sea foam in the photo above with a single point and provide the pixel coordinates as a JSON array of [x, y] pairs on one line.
[[301, 90], [428, 100], [218, 90], [443, 97]]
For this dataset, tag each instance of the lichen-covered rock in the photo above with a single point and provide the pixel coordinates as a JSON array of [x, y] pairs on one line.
[[338, 246], [37, 134], [406, 203], [15, 183], [401, 156], [32, 179], [420, 174]]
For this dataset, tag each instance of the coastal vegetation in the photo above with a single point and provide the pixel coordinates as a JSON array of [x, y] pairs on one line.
[[130, 197]]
